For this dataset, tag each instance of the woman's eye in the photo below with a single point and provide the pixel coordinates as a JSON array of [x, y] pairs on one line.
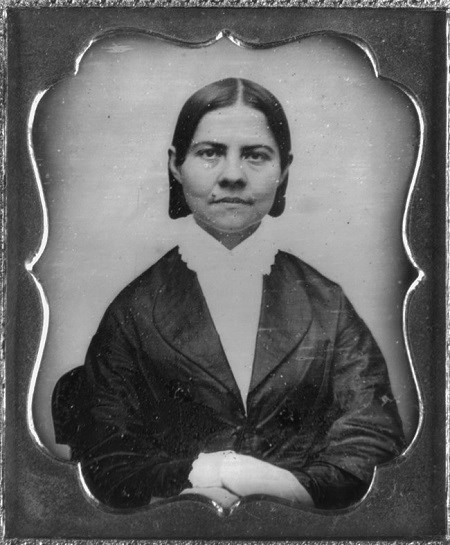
[[208, 153], [257, 156]]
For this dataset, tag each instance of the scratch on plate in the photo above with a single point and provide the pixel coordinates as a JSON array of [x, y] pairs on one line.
[[117, 48]]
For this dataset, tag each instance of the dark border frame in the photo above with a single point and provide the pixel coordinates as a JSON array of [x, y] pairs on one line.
[[42, 495]]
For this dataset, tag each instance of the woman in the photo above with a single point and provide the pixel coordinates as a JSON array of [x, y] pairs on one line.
[[230, 368]]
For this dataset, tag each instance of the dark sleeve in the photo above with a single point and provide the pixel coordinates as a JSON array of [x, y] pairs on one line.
[[363, 427], [122, 443]]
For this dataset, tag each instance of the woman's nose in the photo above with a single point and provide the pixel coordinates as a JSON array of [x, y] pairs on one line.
[[232, 172]]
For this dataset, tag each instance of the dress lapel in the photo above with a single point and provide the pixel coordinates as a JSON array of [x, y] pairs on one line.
[[285, 318], [182, 317]]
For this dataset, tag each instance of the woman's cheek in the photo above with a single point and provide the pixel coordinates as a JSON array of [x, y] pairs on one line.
[[197, 187], [268, 191]]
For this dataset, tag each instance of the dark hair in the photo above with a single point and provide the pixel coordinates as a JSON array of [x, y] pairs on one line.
[[221, 94]]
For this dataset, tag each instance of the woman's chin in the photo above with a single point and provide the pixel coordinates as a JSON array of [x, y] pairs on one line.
[[234, 226]]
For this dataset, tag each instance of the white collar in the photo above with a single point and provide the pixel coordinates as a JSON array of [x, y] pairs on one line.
[[203, 253]]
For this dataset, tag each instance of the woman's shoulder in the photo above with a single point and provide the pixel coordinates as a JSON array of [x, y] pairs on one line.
[[318, 286], [147, 285]]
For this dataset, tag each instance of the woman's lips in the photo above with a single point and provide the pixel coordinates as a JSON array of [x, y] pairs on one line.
[[233, 200]]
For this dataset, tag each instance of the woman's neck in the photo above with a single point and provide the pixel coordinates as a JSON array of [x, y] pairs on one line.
[[229, 240]]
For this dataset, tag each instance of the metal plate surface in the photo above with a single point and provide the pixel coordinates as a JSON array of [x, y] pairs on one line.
[[42, 498]]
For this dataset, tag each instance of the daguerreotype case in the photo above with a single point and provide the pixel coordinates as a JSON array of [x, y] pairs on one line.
[[92, 93]]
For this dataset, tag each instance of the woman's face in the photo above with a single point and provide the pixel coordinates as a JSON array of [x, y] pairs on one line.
[[231, 171]]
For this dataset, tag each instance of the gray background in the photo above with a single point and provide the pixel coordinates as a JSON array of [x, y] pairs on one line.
[[101, 140]]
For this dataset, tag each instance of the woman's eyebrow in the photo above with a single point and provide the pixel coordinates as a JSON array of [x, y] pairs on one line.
[[209, 143], [258, 147]]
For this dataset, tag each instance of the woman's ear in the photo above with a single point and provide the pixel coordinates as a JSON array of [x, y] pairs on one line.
[[174, 170], [279, 202], [285, 172]]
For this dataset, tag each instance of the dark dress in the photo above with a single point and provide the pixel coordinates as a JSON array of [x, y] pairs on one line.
[[156, 389]]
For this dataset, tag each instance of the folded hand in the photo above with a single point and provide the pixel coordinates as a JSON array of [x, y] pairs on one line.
[[244, 475]]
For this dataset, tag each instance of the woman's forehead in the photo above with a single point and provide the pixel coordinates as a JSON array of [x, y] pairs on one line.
[[237, 123]]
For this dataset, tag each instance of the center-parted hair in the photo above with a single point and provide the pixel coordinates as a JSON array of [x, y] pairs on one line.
[[221, 94]]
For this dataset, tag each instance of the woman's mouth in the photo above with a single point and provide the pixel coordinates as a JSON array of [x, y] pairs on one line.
[[233, 200]]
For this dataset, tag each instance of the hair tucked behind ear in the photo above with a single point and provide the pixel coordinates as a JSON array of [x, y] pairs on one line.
[[221, 94], [178, 207]]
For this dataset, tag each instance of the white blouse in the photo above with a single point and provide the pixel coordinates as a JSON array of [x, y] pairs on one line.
[[231, 282]]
